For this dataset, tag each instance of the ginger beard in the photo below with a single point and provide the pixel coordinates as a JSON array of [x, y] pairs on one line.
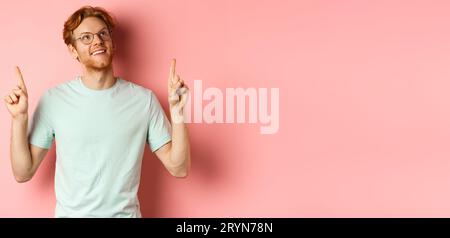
[[96, 57]]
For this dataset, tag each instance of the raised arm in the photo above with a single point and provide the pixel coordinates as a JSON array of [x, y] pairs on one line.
[[25, 158], [176, 155]]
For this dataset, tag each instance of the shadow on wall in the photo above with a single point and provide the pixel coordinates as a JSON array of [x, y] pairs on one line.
[[129, 61], [47, 169], [43, 181], [203, 168]]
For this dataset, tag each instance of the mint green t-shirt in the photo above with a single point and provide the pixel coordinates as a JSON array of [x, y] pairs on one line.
[[100, 136]]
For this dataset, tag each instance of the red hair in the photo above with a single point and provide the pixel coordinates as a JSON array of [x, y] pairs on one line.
[[77, 17]]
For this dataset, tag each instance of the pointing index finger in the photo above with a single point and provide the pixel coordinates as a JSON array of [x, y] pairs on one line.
[[20, 80], [172, 70]]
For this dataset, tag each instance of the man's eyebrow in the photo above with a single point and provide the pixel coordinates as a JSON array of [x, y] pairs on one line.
[[91, 32]]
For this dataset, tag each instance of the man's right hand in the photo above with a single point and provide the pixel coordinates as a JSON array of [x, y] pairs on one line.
[[17, 100], [25, 157]]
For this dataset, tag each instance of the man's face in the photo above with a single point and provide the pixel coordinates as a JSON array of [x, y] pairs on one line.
[[99, 53]]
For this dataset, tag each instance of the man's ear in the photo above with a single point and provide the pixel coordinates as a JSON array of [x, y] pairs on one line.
[[73, 51]]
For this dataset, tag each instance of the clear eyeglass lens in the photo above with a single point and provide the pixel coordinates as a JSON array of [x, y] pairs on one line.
[[89, 37]]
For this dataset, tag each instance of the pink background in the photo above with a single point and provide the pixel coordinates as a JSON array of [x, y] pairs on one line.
[[364, 103]]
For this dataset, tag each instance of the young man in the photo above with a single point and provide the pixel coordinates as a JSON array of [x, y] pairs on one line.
[[100, 123]]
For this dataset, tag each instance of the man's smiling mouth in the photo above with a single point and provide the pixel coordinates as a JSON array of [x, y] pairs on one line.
[[98, 52]]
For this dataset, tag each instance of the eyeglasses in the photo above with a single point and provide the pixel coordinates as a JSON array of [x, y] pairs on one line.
[[87, 37]]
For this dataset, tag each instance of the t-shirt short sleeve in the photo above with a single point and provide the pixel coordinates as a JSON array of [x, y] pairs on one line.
[[159, 130], [40, 131]]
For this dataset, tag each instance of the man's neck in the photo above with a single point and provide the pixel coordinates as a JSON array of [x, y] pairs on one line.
[[98, 79]]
